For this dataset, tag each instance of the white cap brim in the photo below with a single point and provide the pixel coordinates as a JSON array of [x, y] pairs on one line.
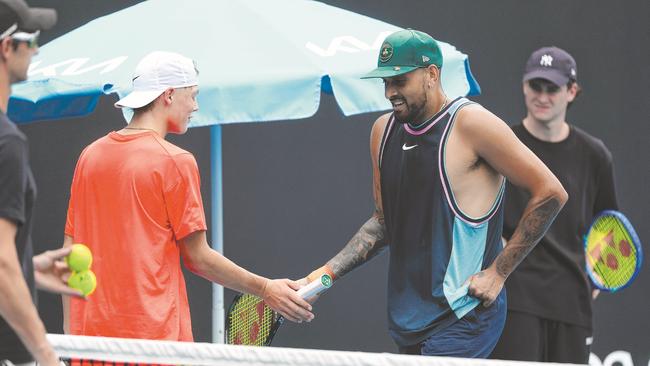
[[139, 98]]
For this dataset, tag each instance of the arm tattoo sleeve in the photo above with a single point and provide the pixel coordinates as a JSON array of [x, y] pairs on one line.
[[364, 245], [530, 230]]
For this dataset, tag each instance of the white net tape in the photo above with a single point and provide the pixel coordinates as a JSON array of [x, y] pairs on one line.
[[137, 351]]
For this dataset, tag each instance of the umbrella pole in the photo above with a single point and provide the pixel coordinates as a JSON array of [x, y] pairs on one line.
[[218, 317]]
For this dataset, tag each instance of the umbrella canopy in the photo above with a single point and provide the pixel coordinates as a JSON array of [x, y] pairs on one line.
[[259, 60]]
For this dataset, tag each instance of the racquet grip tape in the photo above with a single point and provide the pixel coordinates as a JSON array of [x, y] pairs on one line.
[[315, 287]]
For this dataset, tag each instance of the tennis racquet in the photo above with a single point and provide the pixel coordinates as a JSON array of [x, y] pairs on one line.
[[613, 251], [253, 323]]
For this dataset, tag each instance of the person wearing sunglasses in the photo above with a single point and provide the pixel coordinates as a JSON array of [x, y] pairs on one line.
[[20, 45], [549, 296], [22, 333]]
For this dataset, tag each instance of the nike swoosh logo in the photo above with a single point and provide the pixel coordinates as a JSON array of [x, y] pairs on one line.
[[405, 148]]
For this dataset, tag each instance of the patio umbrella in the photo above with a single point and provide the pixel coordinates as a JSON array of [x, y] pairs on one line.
[[259, 60]]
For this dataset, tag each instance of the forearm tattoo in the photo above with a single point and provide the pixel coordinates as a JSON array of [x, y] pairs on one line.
[[530, 230], [364, 245]]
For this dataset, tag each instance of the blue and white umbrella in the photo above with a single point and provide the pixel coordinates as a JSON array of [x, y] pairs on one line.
[[259, 60]]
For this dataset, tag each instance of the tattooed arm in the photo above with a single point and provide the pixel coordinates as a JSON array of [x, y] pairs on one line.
[[487, 284], [369, 240], [530, 230], [364, 245], [494, 142]]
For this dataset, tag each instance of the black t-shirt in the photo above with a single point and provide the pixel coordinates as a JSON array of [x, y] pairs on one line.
[[17, 195], [551, 282]]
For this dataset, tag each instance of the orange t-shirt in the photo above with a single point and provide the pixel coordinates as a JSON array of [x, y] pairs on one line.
[[132, 198]]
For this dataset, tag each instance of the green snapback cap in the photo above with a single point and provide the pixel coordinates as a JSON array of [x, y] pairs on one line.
[[405, 51]]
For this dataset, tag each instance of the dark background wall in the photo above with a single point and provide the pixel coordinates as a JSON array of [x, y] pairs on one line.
[[295, 191]]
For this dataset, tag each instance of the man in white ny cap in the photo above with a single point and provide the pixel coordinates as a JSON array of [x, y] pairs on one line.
[[136, 203], [22, 334]]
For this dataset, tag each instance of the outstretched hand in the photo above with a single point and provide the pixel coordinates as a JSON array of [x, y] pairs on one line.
[[486, 286], [281, 296], [51, 272]]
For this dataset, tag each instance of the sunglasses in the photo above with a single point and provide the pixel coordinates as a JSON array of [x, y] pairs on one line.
[[31, 39], [539, 86]]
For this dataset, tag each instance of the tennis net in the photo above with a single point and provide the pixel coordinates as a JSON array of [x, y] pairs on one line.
[[83, 350]]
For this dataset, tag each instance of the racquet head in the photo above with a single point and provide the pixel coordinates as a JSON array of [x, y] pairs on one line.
[[251, 322], [613, 251]]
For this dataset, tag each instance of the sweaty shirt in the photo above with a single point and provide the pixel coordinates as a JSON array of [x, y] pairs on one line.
[[133, 197]]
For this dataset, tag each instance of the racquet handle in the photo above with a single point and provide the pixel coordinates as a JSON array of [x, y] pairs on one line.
[[315, 287]]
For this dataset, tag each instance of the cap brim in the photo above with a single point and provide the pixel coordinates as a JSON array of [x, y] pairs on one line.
[[38, 19], [551, 75], [388, 71], [137, 99]]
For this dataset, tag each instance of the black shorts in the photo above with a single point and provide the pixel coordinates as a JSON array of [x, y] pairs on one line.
[[527, 337]]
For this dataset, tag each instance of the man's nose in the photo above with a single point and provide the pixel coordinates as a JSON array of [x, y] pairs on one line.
[[389, 91], [544, 96]]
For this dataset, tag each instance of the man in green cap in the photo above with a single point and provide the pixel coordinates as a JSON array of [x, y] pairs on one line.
[[439, 172]]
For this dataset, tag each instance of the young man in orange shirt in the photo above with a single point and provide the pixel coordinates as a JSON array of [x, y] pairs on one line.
[[136, 203]]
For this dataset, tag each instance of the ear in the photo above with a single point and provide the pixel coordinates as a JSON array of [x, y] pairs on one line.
[[168, 96], [572, 92], [434, 73], [6, 47]]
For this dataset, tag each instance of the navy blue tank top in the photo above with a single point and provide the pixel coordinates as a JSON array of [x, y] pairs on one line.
[[434, 246]]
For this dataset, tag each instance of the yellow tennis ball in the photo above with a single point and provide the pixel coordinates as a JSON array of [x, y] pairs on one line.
[[80, 258], [84, 281]]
